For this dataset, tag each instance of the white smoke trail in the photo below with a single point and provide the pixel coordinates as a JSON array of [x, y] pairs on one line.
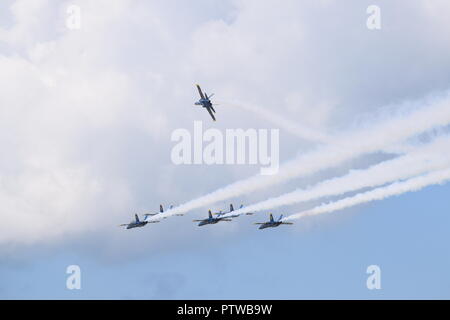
[[423, 159], [396, 188], [393, 130], [302, 132]]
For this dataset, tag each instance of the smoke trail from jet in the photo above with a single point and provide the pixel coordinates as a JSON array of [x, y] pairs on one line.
[[394, 189], [392, 130], [423, 159], [302, 132]]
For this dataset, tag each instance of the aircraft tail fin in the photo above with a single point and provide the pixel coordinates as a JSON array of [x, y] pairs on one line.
[[161, 209], [231, 207], [210, 214], [281, 217], [271, 218], [136, 217], [241, 206]]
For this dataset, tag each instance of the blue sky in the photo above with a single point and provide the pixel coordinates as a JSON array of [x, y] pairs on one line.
[[86, 118], [406, 236]]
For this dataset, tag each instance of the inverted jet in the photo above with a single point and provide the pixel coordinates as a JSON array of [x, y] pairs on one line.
[[205, 102]]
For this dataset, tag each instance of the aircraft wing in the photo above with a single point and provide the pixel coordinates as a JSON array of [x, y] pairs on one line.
[[123, 225], [197, 220], [259, 223], [155, 221], [225, 219], [212, 116], [286, 223], [200, 92]]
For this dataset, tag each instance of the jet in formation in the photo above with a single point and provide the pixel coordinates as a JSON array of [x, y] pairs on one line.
[[136, 223], [221, 213], [205, 102], [272, 223], [161, 210], [211, 219]]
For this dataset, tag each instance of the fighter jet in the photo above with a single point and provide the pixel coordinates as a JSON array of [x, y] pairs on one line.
[[240, 208], [272, 223], [161, 210], [137, 223], [205, 102], [210, 220], [221, 213]]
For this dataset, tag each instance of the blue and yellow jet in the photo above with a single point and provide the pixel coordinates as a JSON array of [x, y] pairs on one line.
[[205, 102], [137, 223], [272, 223], [221, 213], [211, 219]]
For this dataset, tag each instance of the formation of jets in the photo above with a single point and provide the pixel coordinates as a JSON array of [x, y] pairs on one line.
[[212, 218], [205, 102]]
